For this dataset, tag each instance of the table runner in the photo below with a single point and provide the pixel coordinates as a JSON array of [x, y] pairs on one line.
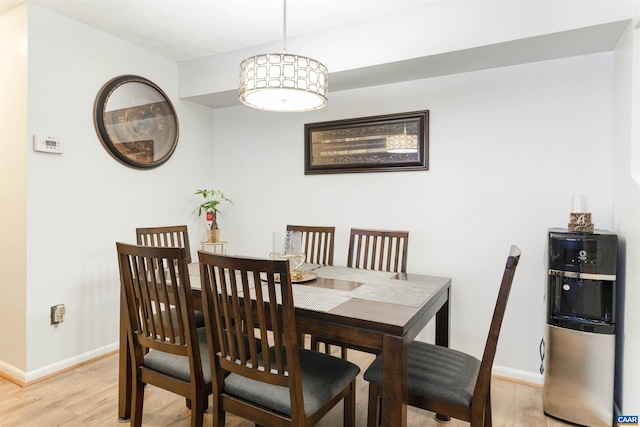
[[379, 286], [353, 274], [311, 298], [393, 291]]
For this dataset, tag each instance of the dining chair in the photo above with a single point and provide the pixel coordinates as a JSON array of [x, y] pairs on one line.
[[172, 236], [317, 243], [168, 353], [384, 250], [446, 381], [277, 385]]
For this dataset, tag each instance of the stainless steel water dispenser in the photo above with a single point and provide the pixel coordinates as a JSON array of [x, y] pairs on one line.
[[580, 332]]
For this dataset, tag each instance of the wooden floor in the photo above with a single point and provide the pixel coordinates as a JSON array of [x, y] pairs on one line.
[[87, 396]]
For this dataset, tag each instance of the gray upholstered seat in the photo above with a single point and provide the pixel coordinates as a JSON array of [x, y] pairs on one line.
[[436, 372], [178, 366], [199, 316], [323, 377]]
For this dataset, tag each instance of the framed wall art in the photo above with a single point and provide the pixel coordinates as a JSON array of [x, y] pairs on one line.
[[392, 142], [136, 122]]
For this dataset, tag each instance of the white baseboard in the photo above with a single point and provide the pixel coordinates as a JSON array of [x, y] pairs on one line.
[[26, 377], [10, 371], [518, 375]]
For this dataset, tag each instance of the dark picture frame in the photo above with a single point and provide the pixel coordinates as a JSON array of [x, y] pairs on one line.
[[386, 143]]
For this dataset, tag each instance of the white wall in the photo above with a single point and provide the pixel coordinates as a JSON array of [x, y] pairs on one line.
[[83, 201], [626, 211], [508, 149]]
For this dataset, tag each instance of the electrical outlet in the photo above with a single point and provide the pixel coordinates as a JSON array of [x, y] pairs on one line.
[[61, 312], [57, 314]]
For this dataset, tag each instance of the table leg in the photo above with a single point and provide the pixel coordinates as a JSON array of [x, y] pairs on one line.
[[124, 367], [442, 323], [442, 338], [394, 381]]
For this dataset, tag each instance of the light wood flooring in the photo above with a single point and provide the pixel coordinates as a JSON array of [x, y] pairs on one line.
[[87, 396]]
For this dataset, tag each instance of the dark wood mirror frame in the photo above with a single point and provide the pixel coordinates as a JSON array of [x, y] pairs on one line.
[[136, 122]]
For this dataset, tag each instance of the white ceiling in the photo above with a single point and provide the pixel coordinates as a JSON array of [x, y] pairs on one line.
[[189, 29], [182, 30]]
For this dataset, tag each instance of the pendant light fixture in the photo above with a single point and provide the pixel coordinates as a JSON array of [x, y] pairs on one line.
[[283, 82]]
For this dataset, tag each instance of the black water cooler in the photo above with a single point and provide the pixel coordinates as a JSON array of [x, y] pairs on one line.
[[580, 332]]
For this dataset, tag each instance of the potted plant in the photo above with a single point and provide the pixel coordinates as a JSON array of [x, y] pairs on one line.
[[212, 200]]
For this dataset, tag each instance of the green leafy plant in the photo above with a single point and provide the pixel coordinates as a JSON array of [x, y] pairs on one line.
[[212, 199]]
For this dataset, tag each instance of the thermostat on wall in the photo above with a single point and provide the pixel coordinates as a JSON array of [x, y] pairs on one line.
[[48, 144]]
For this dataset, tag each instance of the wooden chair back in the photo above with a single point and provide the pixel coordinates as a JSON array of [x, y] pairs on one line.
[[225, 283], [481, 393], [317, 243], [150, 293], [384, 250], [175, 236], [155, 284]]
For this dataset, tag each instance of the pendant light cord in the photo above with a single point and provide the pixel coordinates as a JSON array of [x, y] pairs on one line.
[[284, 26]]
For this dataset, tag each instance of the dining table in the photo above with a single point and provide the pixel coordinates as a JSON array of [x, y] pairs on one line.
[[366, 310]]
